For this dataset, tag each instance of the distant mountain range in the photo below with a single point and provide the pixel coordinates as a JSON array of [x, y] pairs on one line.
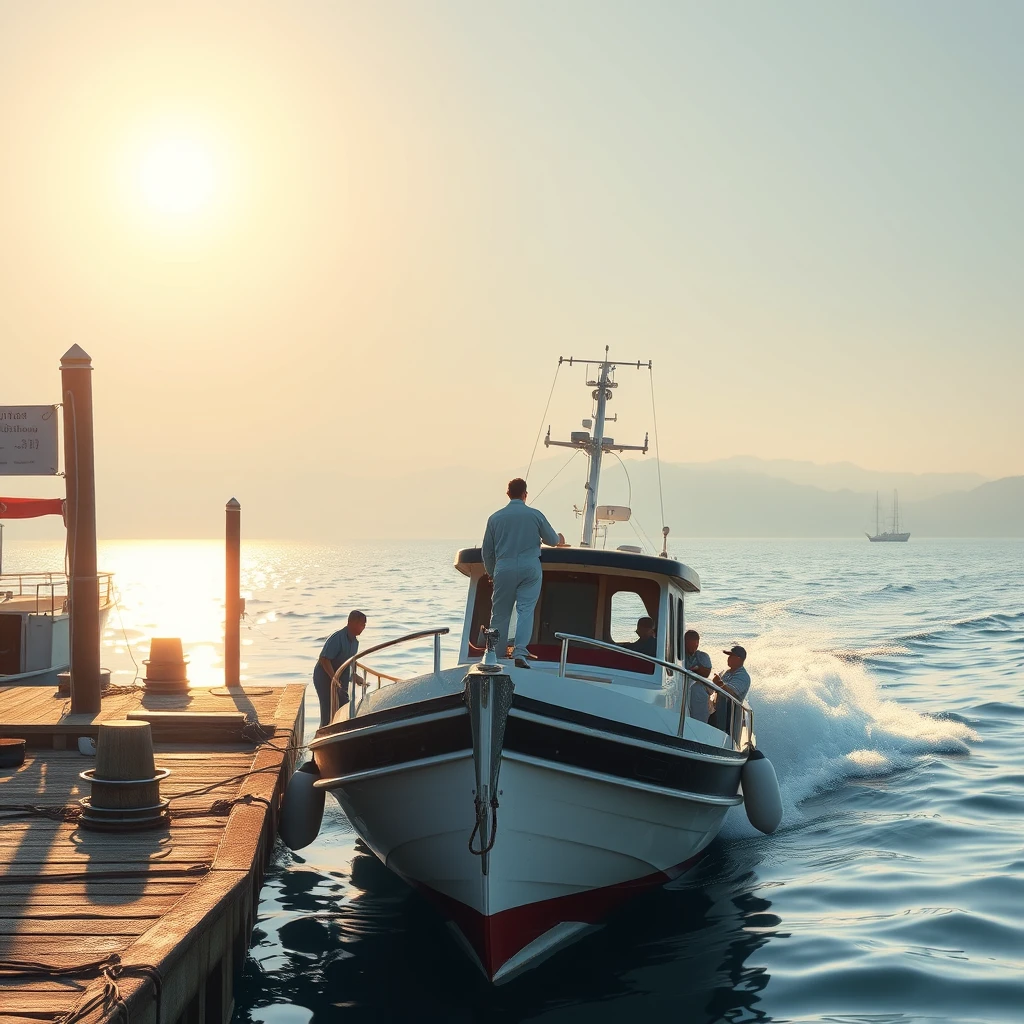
[[845, 476], [753, 498], [740, 497]]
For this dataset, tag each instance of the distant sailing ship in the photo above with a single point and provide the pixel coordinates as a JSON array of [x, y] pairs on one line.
[[888, 535]]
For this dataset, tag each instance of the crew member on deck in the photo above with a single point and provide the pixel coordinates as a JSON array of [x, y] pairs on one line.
[[697, 661], [340, 646], [736, 680], [646, 642], [511, 554]]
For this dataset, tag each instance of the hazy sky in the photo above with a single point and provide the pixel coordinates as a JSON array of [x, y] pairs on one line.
[[321, 239]]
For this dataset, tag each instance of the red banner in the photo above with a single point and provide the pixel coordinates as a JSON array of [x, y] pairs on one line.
[[30, 508]]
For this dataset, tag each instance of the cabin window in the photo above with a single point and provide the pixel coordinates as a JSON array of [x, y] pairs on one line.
[[481, 611], [587, 604], [568, 604], [670, 639], [626, 607]]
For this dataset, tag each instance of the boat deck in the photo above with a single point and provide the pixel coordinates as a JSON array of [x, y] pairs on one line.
[[30, 604], [175, 905]]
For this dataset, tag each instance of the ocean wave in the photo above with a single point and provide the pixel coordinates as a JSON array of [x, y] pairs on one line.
[[990, 624], [871, 653], [824, 721]]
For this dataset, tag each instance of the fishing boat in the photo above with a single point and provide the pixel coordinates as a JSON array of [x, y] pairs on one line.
[[527, 803], [35, 621], [895, 534]]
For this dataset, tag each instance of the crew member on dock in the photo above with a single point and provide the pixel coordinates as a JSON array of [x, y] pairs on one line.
[[340, 646], [511, 554]]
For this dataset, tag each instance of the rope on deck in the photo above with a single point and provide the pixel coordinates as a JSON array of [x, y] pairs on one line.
[[107, 998]]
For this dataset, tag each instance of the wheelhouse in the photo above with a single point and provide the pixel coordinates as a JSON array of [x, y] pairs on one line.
[[598, 594]]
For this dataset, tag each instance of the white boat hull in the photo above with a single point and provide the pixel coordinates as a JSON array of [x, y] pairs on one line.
[[570, 845]]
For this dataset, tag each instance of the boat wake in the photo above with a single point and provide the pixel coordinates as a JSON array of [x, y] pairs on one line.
[[824, 721]]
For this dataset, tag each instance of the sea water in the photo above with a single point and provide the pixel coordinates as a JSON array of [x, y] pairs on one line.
[[888, 691]]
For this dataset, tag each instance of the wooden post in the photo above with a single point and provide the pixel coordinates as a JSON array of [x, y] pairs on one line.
[[80, 475], [232, 591]]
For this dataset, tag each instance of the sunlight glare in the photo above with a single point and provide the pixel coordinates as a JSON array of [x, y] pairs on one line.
[[177, 176]]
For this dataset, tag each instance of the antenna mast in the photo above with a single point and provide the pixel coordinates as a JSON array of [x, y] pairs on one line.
[[595, 446]]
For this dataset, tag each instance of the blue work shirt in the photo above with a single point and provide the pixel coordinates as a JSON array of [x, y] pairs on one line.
[[338, 649], [699, 659], [699, 695], [515, 530]]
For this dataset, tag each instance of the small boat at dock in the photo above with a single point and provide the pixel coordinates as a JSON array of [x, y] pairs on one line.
[[527, 803], [35, 620]]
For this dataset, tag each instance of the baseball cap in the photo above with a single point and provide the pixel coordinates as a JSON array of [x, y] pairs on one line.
[[737, 650]]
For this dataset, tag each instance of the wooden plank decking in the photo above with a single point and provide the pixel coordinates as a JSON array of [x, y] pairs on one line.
[[176, 905]]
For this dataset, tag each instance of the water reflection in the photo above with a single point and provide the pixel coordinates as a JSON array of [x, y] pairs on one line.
[[371, 945]]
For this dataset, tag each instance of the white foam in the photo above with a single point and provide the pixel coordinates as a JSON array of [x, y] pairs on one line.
[[822, 720]]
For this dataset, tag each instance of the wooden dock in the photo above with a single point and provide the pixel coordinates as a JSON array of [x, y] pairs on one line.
[[154, 923]]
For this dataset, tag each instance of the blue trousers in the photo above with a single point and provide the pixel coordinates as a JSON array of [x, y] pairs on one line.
[[516, 582], [323, 692]]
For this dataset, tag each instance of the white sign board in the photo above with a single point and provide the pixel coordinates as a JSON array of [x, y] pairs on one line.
[[28, 440]]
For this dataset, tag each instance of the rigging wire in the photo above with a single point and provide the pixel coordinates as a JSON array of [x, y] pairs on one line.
[[641, 533], [645, 539], [657, 447], [555, 477], [629, 483], [543, 417]]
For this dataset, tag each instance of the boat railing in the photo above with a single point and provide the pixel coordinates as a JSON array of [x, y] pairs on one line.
[[740, 716], [355, 663], [48, 591]]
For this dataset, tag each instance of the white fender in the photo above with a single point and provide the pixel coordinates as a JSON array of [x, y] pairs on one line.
[[761, 797], [302, 810]]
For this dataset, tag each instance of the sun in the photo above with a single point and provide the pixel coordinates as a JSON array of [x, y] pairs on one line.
[[177, 177]]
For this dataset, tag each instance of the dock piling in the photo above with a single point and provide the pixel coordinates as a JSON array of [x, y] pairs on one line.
[[232, 591], [80, 473]]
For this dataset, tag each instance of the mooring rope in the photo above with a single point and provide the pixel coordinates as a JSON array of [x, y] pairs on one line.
[[481, 815], [109, 997]]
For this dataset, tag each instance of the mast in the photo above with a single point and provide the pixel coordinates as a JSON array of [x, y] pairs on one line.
[[895, 511], [877, 528], [603, 393], [595, 446]]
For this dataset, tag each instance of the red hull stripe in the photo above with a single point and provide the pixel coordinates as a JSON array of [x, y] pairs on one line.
[[499, 937]]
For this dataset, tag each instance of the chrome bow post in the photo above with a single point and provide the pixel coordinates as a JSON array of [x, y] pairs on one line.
[[488, 697]]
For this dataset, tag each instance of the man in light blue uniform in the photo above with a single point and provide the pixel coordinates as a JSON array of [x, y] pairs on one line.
[[511, 554]]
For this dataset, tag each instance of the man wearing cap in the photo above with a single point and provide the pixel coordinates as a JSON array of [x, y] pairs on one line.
[[736, 680]]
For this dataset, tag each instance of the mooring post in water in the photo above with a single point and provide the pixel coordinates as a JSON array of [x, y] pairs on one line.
[[232, 591], [80, 478]]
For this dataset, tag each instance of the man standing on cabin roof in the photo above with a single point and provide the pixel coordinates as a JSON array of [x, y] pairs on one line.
[[340, 646], [511, 554]]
